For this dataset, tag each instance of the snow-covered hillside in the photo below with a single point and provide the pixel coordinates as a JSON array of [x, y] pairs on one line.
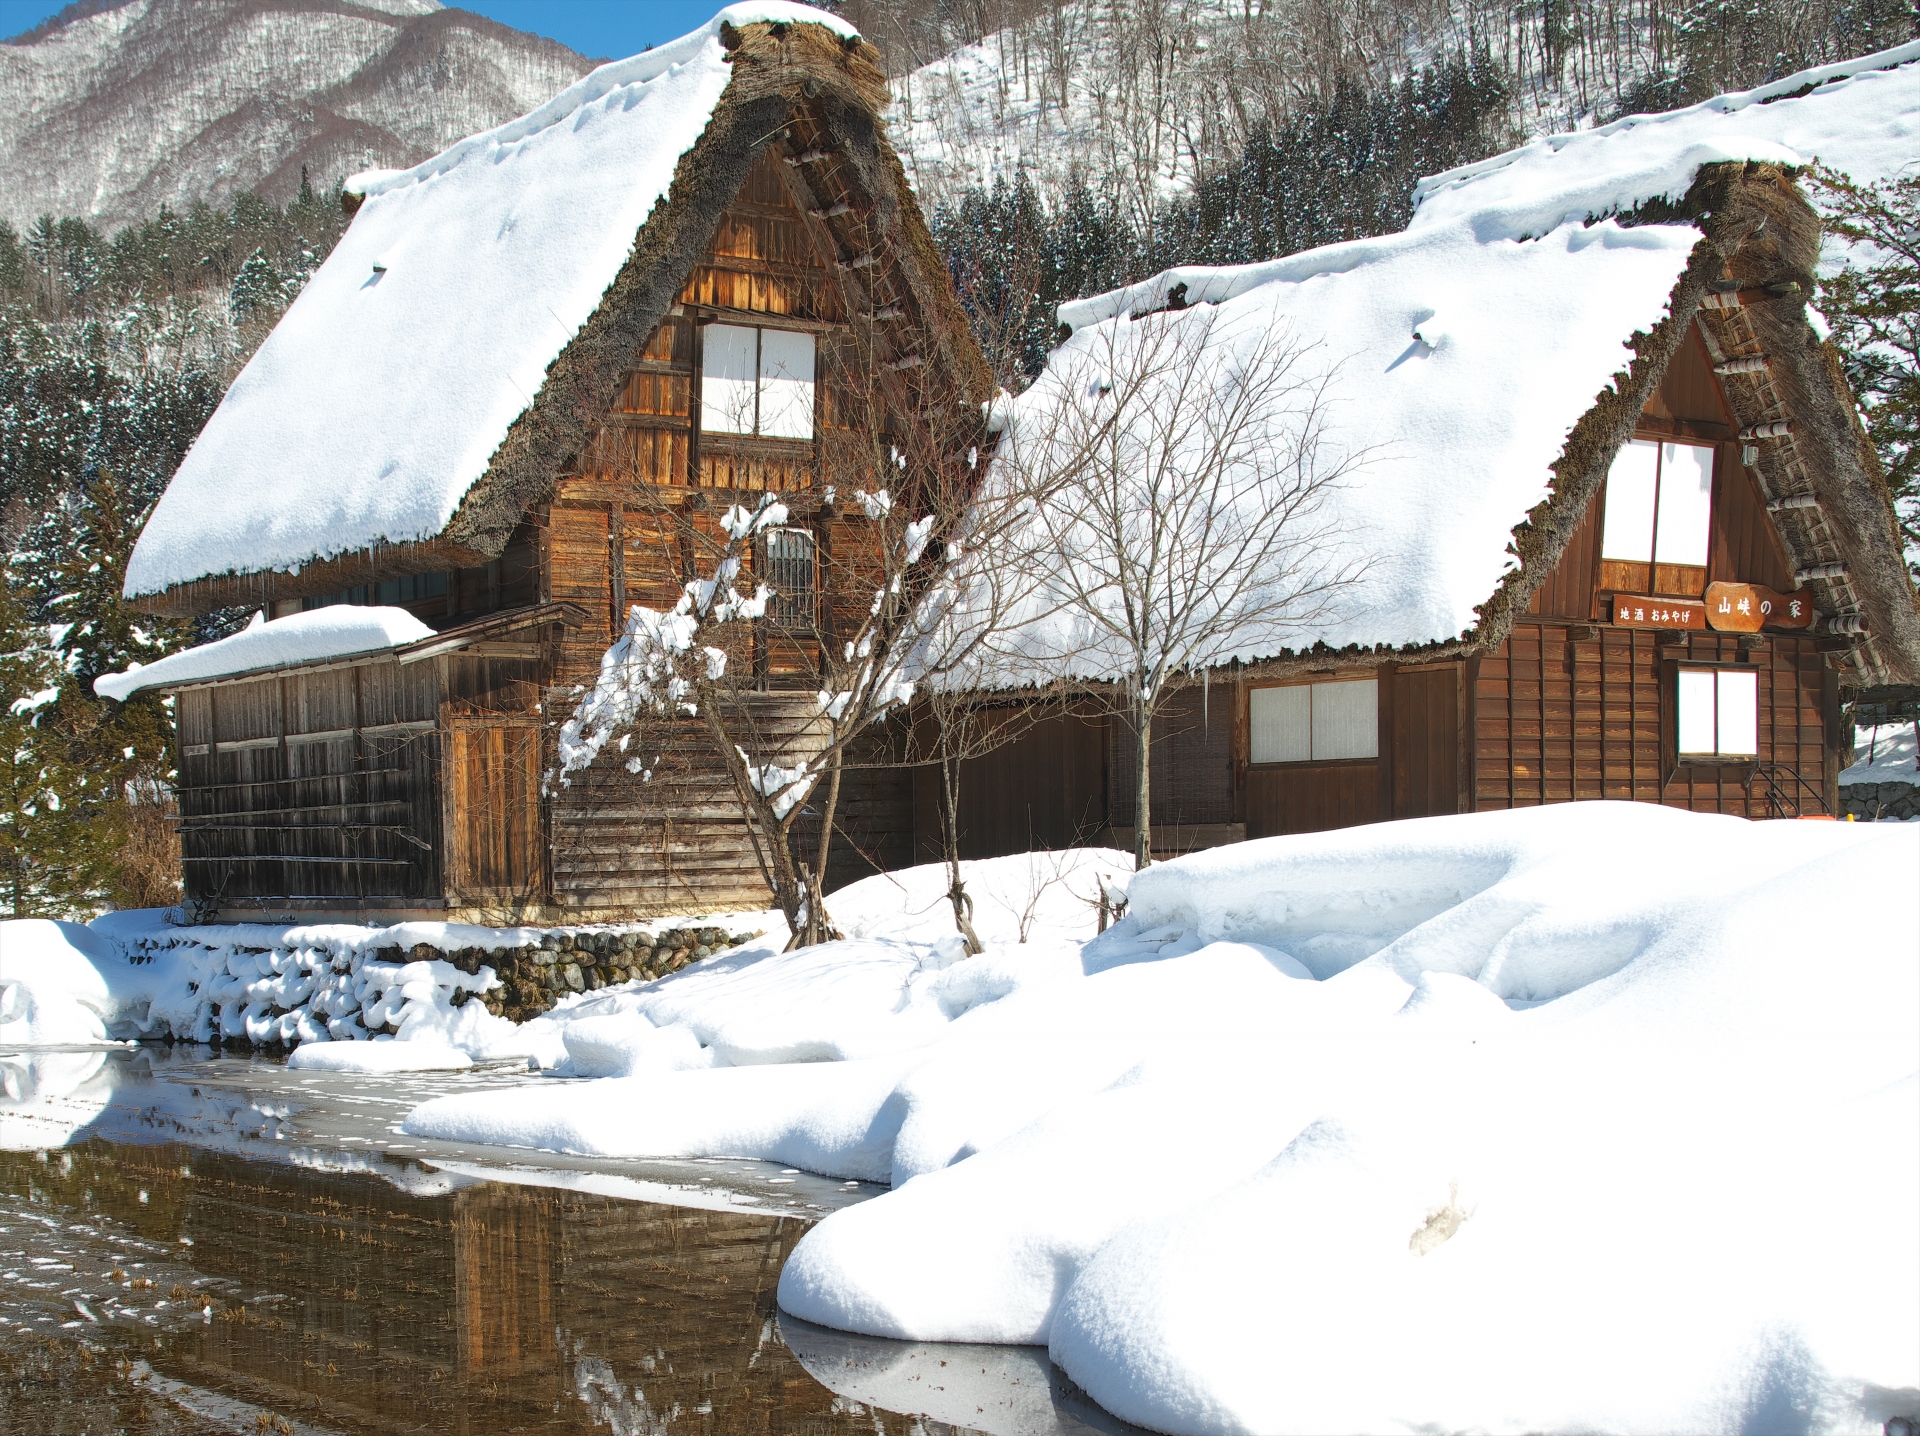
[[170, 101]]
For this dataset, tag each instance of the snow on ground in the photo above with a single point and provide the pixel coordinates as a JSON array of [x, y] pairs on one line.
[[1889, 753], [339, 631], [1582, 1117], [1591, 1121]]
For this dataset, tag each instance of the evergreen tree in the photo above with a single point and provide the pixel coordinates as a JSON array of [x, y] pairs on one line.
[[256, 291], [1873, 304], [55, 858]]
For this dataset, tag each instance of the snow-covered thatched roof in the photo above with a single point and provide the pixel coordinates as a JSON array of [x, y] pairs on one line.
[[389, 389], [1492, 358], [1860, 117]]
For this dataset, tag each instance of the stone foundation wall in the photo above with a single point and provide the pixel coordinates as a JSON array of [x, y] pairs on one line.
[[538, 975], [1866, 802]]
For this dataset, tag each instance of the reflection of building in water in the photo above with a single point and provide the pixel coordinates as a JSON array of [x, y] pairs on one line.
[[345, 1301]]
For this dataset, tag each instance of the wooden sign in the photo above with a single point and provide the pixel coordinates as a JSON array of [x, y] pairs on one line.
[[1631, 611], [1749, 607]]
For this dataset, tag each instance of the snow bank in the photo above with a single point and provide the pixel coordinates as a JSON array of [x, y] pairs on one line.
[[135, 974], [1886, 754], [382, 394], [338, 631], [1861, 117], [54, 984], [1447, 464], [1556, 1142]]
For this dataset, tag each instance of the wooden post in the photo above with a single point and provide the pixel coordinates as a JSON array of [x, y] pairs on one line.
[[1384, 680]]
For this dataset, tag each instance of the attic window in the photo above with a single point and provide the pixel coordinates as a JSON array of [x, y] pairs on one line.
[[1655, 529], [757, 381], [1719, 713], [1315, 722]]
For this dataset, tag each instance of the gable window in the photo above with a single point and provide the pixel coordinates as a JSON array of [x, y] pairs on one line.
[[790, 574], [757, 381], [1719, 713], [1655, 529], [1315, 722]]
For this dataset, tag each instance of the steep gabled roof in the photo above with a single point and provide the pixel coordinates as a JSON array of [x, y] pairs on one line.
[[1493, 357], [450, 358]]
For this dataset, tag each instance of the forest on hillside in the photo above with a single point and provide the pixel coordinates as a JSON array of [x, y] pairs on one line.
[[1255, 130]]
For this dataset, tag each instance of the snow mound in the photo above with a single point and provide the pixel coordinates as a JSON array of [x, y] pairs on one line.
[[1555, 1142], [1861, 117], [54, 988], [382, 394], [338, 631]]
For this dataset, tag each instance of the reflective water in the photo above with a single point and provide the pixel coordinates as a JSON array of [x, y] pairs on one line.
[[192, 1245]]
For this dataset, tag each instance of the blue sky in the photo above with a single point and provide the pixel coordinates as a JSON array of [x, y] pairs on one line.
[[603, 29]]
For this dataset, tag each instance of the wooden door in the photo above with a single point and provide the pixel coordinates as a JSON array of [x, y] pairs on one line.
[[1426, 741], [494, 847]]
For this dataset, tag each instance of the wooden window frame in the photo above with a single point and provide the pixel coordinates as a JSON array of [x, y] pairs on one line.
[[1379, 679], [1672, 760], [752, 319], [1602, 590]]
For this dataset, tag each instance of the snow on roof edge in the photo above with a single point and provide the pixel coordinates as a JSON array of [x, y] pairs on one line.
[[1214, 284], [1217, 283], [322, 635], [634, 70], [1730, 103]]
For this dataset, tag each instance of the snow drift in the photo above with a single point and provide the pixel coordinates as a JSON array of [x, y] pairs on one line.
[[1558, 1140]]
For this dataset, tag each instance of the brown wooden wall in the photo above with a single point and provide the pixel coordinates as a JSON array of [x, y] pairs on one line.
[[316, 784], [1561, 716], [640, 516], [1744, 545], [1045, 789]]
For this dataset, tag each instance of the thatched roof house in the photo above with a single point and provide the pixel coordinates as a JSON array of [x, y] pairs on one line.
[[1651, 280], [1493, 358], [519, 398], [457, 348]]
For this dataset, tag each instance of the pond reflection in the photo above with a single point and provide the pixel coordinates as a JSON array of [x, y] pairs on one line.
[[341, 1302], [192, 1260]]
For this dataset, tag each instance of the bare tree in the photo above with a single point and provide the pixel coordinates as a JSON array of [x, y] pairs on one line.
[[1193, 524]]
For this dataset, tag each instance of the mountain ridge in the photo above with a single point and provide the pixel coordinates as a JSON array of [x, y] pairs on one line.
[[122, 110]]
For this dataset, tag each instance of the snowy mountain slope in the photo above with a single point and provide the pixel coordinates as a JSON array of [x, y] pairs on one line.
[[170, 101]]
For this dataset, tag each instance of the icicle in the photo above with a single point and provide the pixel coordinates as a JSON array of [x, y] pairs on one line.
[[1205, 719]]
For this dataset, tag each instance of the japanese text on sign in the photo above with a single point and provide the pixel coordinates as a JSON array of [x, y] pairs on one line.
[[1631, 611]]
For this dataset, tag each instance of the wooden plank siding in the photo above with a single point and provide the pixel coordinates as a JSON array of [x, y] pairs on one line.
[[1559, 721], [315, 784]]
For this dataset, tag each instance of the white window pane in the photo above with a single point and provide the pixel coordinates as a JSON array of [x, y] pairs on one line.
[[786, 384], [1346, 720], [1627, 529], [1686, 501], [1279, 719], [727, 379], [1696, 710], [1739, 715]]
